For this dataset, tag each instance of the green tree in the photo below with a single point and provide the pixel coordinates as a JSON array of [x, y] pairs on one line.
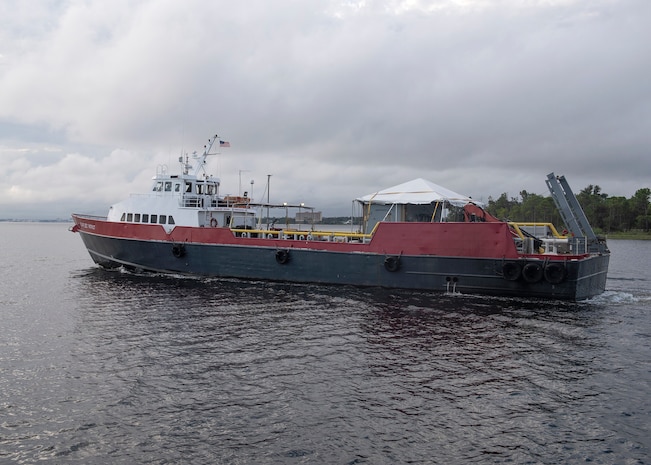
[[538, 208], [618, 212], [607, 214], [640, 208], [502, 207], [593, 202]]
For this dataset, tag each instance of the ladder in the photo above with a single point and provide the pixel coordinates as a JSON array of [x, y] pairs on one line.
[[571, 211]]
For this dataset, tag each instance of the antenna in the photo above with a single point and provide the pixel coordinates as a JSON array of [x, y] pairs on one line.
[[239, 189], [268, 184]]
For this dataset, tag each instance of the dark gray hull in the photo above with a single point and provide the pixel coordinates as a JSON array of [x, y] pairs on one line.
[[583, 279]]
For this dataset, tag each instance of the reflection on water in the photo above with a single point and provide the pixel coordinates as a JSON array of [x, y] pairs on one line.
[[233, 369]]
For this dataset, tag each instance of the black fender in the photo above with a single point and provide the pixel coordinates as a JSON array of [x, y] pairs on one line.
[[532, 272], [392, 263], [511, 271], [282, 256], [178, 250], [555, 272]]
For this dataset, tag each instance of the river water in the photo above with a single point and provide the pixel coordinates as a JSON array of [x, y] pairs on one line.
[[108, 367]]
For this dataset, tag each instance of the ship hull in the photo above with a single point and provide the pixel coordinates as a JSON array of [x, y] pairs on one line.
[[292, 261]]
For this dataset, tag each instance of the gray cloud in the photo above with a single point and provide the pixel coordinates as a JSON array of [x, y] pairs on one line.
[[335, 99]]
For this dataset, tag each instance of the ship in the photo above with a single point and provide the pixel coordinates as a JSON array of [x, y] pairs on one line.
[[413, 236]]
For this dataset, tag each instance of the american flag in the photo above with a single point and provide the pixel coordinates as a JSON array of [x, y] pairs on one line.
[[224, 144]]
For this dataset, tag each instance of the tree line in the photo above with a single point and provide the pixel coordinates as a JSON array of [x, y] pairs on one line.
[[606, 214]]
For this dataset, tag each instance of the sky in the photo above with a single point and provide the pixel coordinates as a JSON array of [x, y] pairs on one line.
[[334, 99]]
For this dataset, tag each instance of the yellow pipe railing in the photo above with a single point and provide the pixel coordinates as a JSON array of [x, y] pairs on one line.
[[517, 224], [295, 234]]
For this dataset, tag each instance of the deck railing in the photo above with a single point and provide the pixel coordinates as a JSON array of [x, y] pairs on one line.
[[298, 235], [550, 241]]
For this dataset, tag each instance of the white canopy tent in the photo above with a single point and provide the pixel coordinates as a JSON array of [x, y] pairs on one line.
[[418, 191]]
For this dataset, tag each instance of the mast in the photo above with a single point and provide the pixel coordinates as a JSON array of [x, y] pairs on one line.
[[201, 159]]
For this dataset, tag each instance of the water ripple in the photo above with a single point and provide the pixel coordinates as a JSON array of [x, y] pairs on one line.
[[115, 367]]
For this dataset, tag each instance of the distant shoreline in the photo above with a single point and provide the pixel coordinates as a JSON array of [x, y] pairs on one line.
[[629, 236], [17, 220]]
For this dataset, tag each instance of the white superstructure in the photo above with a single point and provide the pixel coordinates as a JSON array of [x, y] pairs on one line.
[[191, 198]]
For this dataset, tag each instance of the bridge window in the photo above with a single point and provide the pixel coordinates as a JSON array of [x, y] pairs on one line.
[[162, 219], [170, 220], [153, 219], [188, 187], [158, 187], [123, 217], [145, 218], [168, 186], [177, 187], [136, 217], [129, 216]]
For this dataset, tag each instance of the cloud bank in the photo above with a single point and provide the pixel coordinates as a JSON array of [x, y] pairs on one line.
[[334, 99]]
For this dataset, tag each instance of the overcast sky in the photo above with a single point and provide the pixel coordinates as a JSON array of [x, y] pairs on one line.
[[335, 99]]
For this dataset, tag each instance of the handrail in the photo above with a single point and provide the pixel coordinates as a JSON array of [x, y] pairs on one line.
[[296, 234], [90, 217], [517, 224]]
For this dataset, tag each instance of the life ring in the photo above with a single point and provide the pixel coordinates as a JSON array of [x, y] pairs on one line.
[[282, 256], [511, 271], [532, 272], [213, 222], [178, 250], [555, 273], [392, 263], [245, 234]]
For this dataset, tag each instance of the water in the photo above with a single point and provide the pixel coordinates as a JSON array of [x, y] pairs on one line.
[[109, 367]]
